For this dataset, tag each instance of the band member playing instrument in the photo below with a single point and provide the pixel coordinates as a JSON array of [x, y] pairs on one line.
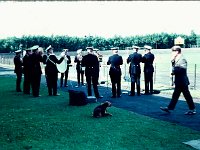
[[18, 69], [65, 74], [99, 56], [115, 72], [79, 69], [27, 71], [91, 64], [135, 70], [148, 59], [36, 71], [51, 71]]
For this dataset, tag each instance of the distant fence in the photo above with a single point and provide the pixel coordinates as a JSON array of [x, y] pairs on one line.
[[161, 74]]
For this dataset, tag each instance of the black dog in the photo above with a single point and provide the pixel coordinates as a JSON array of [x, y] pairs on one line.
[[100, 111]]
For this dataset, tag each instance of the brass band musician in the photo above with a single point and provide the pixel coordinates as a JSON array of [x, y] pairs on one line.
[[79, 69], [65, 74]]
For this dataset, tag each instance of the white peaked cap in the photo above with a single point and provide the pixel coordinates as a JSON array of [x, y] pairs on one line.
[[147, 47], [48, 48], [79, 51]]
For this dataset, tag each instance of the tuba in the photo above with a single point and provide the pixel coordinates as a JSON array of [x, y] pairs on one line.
[[62, 67]]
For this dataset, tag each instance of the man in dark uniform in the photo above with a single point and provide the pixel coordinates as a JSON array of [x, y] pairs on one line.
[[51, 71], [36, 71], [27, 71], [181, 82], [115, 72], [135, 70], [148, 59], [91, 64], [65, 74], [18, 69], [80, 72]]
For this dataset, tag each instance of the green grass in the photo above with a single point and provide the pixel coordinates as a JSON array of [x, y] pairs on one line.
[[47, 123]]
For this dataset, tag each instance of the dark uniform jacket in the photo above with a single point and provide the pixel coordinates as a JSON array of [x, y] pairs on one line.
[[148, 59], [115, 61], [180, 71], [78, 63], [35, 63], [90, 62], [135, 60], [27, 63], [18, 64], [68, 61], [51, 62]]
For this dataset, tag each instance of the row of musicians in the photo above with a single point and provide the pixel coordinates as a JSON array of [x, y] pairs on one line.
[[32, 70]]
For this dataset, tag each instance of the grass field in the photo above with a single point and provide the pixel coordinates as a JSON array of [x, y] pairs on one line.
[[49, 123]]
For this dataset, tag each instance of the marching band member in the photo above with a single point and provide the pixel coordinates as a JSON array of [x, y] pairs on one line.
[[91, 64], [148, 59], [27, 71], [80, 71], [18, 69], [51, 71], [65, 74], [135, 70], [115, 72], [36, 71], [99, 56]]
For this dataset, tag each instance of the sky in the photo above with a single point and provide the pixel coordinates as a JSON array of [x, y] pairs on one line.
[[98, 18]]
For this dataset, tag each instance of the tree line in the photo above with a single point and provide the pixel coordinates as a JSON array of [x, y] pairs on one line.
[[157, 41]]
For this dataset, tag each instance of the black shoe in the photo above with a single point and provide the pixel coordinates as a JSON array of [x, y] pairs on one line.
[[166, 109], [131, 94], [118, 96], [138, 94], [113, 97], [190, 112], [19, 90], [146, 93], [66, 85], [99, 97], [36, 95], [28, 93], [56, 94]]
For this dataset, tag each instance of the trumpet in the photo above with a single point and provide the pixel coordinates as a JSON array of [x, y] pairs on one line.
[[79, 57]]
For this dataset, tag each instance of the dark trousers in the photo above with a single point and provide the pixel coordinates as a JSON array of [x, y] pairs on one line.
[[135, 80], [65, 74], [27, 83], [116, 85], [94, 80], [52, 83], [148, 79], [186, 94], [35, 83], [80, 77], [18, 81]]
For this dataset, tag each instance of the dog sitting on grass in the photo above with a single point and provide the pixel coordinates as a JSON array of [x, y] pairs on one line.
[[101, 110]]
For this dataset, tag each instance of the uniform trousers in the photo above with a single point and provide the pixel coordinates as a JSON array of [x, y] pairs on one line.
[[65, 74], [52, 79], [148, 78], [135, 79], [92, 79], [18, 81], [27, 82], [116, 84], [35, 83], [80, 77], [186, 94]]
